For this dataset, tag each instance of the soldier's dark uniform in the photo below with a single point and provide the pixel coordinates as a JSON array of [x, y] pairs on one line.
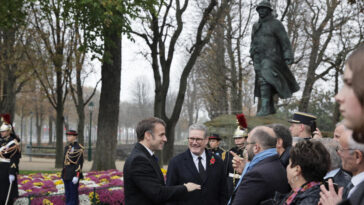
[[72, 167], [9, 165]]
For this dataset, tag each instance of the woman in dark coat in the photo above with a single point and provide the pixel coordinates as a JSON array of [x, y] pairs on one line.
[[308, 164]]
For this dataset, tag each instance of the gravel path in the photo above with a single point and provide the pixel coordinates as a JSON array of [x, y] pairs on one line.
[[47, 164]]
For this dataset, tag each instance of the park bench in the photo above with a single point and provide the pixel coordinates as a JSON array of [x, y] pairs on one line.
[[40, 151]]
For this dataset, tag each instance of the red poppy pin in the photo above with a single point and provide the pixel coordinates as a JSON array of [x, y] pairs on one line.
[[212, 160]]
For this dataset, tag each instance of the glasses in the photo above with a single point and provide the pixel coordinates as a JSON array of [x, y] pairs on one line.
[[192, 139], [339, 149]]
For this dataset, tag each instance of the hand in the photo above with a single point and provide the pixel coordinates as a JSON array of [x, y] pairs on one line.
[[317, 134], [238, 162], [192, 186], [11, 178], [330, 197], [75, 180]]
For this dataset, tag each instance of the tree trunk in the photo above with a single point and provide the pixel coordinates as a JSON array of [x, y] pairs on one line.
[[109, 102], [169, 146], [337, 106], [81, 124], [306, 95], [59, 119]]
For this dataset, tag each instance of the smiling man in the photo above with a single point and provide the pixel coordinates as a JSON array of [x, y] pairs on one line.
[[143, 179], [198, 165]]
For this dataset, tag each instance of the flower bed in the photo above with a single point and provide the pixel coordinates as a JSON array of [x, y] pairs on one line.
[[103, 187]]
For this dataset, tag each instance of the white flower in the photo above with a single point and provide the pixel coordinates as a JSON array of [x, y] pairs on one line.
[[84, 200]]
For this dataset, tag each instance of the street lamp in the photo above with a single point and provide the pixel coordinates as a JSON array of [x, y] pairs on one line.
[[30, 133], [90, 109]]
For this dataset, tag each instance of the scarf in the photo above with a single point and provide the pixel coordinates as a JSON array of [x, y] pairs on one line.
[[256, 159], [300, 189]]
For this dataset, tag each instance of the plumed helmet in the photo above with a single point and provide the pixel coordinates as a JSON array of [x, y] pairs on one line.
[[264, 3], [5, 127], [5, 122], [242, 130], [240, 133]]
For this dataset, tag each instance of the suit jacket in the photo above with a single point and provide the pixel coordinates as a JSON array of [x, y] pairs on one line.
[[261, 182], [144, 181], [341, 178], [357, 197], [182, 169]]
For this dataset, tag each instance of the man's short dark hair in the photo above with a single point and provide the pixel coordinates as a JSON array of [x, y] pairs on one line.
[[283, 133], [264, 139], [312, 157], [147, 125]]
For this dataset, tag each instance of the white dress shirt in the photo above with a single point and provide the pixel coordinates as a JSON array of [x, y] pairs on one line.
[[203, 160], [357, 179], [149, 150]]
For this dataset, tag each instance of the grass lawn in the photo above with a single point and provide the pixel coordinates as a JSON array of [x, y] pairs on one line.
[[25, 172]]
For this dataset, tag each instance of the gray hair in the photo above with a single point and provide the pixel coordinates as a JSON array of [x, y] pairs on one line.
[[355, 146], [198, 126], [331, 146]]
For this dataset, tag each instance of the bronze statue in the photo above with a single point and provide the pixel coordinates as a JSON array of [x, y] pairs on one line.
[[271, 53]]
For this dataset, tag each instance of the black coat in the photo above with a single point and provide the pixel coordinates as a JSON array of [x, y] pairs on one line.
[[72, 161], [231, 182], [285, 157], [261, 182], [144, 181], [9, 164], [308, 197], [181, 169]]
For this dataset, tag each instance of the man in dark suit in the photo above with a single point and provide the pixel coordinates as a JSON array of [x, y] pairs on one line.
[[198, 165], [264, 174], [143, 179], [352, 157]]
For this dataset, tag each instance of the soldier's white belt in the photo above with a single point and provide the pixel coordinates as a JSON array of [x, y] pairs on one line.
[[4, 160], [236, 176]]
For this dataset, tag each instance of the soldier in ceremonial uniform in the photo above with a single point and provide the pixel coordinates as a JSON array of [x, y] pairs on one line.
[[72, 167], [9, 162], [214, 143], [240, 136]]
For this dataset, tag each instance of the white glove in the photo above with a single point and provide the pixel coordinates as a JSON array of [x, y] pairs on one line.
[[75, 180], [11, 178]]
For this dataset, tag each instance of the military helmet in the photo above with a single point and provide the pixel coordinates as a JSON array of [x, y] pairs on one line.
[[240, 133], [264, 3], [5, 127]]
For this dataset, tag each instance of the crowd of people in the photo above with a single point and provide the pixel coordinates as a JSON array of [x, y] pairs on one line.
[[272, 164]]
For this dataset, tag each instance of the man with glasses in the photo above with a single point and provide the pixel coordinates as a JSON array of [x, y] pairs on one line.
[[352, 156], [143, 179], [264, 174], [199, 166]]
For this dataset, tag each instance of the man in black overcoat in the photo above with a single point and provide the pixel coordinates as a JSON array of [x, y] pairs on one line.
[[200, 166], [143, 180]]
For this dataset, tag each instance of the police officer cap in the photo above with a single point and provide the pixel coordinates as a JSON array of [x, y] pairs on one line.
[[71, 132], [215, 136], [303, 118], [265, 3]]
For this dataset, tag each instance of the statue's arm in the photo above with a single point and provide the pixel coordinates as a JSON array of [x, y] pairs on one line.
[[284, 42]]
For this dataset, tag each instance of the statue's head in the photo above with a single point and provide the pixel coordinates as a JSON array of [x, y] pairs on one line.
[[264, 8]]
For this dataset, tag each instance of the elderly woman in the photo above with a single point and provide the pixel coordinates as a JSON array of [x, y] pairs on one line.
[[309, 163]]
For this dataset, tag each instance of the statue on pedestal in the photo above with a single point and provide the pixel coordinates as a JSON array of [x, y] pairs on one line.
[[271, 53]]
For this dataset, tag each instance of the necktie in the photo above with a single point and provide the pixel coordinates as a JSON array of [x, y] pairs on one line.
[[347, 190], [155, 158], [201, 170]]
